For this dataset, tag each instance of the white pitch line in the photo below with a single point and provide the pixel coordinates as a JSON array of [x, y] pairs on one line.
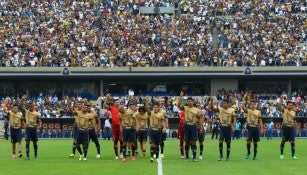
[[160, 165]]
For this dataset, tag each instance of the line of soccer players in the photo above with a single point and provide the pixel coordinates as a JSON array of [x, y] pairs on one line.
[[152, 121]]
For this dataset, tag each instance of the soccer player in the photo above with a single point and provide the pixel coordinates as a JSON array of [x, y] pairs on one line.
[[193, 118], [253, 120], [78, 109], [143, 122], [92, 133], [164, 134], [85, 119], [228, 118], [116, 132], [132, 107], [128, 127], [180, 134], [32, 117], [288, 128], [157, 127], [16, 123]]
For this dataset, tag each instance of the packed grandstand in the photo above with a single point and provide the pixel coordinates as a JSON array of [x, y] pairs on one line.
[[113, 33]]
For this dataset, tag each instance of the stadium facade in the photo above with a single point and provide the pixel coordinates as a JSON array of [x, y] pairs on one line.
[[94, 82]]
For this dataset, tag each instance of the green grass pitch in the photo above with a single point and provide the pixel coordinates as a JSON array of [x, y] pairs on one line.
[[53, 160]]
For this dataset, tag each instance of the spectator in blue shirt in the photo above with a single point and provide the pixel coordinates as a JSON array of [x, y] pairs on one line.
[[270, 127], [237, 131]]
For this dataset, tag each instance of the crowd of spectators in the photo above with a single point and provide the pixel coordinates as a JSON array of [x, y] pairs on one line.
[[112, 33], [50, 106]]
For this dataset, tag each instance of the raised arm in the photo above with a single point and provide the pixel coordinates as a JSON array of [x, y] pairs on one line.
[[39, 121], [70, 108], [180, 100], [22, 103], [4, 106], [201, 118], [105, 103], [281, 104], [98, 121]]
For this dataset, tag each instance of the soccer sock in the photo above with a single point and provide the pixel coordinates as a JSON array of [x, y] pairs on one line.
[[129, 152], [133, 150], [201, 149], [282, 144], [97, 146], [157, 151], [181, 147], [293, 149], [135, 146], [27, 149], [35, 149], [79, 149], [115, 148], [187, 146], [151, 151], [162, 147], [248, 146], [221, 148], [255, 149], [85, 147], [74, 148], [124, 151], [121, 146], [194, 148], [228, 148]]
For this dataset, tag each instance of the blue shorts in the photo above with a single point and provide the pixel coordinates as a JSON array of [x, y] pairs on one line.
[[190, 132], [142, 135], [92, 135], [129, 135], [288, 133], [16, 135], [253, 134], [163, 136], [225, 133], [155, 136], [82, 137], [31, 134], [75, 132]]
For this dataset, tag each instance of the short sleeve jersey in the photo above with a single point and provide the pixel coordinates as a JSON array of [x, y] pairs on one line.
[[192, 115], [126, 119], [226, 116], [143, 120], [84, 120], [31, 118], [288, 117], [15, 119], [156, 120], [253, 117]]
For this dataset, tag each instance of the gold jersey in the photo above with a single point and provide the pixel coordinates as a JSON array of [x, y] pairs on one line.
[[156, 120], [226, 116], [288, 117], [32, 118], [15, 119], [192, 115], [84, 119], [127, 119], [253, 117], [94, 116], [143, 120], [76, 116]]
